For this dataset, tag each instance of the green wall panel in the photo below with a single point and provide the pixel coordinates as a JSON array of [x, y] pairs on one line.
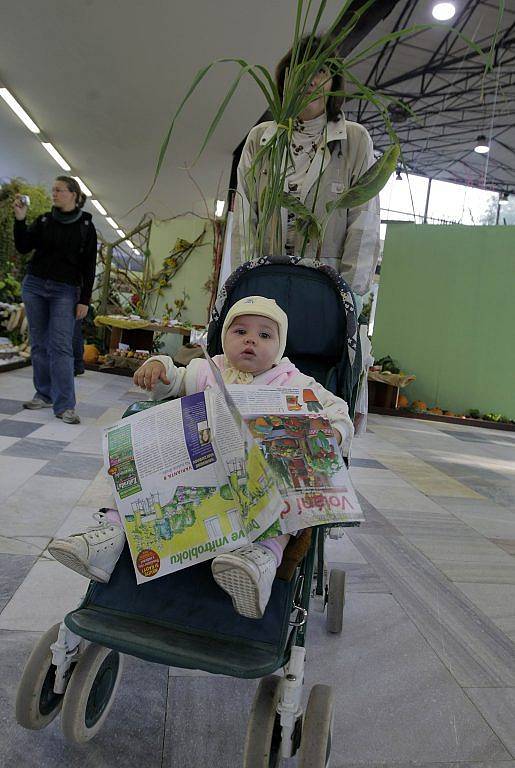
[[446, 312]]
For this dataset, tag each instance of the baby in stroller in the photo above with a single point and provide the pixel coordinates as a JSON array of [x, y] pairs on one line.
[[253, 341]]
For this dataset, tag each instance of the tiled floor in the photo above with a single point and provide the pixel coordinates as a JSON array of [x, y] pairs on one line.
[[424, 671]]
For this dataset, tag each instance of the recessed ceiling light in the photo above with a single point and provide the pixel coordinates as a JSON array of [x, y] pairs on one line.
[[112, 222], [87, 191], [120, 232], [444, 11], [219, 208], [100, 208], [18, 110], [482, 147], [59, 159]]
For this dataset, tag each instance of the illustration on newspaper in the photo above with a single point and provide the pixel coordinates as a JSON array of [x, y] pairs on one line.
[[210, 472]]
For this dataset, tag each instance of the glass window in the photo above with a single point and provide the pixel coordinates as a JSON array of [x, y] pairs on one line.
[[461, 205], [404, 199]]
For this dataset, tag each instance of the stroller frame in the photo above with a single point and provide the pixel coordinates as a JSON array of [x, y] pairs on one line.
[[77, 665]]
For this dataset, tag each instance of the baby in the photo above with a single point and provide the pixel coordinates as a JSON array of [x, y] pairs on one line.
[[253, 340]]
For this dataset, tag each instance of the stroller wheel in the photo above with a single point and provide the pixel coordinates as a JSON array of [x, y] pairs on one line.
[[315, 745], [335, 601], [90, 693], [263, 739], [36, 702]]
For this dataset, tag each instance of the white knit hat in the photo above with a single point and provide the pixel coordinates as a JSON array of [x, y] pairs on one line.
[[258, 305]]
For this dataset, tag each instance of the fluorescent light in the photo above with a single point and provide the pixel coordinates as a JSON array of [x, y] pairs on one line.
[[482, 147], [59, 159], [219, 208], [444, 11], [112, 222], [18, 110], [120, 232], [84, 188], [100, 208]]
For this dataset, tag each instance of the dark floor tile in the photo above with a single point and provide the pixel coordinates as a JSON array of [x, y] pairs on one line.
[[31, 448], [368, 463], [11, 428], [13, 569], [91, 410], [10, 406], [82, 466]]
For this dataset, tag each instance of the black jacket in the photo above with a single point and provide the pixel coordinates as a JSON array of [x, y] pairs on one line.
[[66, 253]]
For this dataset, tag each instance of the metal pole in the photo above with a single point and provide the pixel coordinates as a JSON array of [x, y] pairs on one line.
[[427, 201]]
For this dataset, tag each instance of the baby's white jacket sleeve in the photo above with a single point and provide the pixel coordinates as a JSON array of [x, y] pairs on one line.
[[336, 409], [176, 377]]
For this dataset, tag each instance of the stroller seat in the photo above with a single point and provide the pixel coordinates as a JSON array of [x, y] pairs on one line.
[[184, 620]]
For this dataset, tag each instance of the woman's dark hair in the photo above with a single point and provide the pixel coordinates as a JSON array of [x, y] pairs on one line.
[[307, 47], [73, 186]]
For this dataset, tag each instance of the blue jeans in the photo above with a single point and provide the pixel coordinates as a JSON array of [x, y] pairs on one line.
[[50, 309], [78, 348]]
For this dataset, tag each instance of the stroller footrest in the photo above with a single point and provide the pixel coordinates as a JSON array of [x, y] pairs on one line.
[[174, 646]]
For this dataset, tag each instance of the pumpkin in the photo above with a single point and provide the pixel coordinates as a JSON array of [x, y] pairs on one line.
[[419, 405], [91, 353], [402, 401]]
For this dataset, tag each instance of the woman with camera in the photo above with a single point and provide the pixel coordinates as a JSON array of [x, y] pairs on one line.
[[56, 290]]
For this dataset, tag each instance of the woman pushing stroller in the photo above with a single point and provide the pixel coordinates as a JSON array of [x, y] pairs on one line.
[[253, 342]]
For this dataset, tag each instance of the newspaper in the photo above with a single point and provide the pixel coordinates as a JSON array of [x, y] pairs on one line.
[[210, 472]]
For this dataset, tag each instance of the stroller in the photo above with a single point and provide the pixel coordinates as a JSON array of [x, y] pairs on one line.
[[184, 619]]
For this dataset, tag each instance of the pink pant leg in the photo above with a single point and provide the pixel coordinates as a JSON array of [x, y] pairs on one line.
[[277, 545]]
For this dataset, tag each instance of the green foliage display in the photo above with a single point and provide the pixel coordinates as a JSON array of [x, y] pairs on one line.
[[12, 263]]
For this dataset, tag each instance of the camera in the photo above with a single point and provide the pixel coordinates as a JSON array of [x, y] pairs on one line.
[[25, 200]]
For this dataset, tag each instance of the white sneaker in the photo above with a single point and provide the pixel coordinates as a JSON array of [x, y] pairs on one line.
[[93, 553], [247, 575]]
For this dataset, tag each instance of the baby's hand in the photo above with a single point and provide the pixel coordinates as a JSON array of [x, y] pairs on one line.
[[149, 374]]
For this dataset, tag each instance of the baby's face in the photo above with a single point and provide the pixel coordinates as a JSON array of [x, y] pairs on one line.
[[252, 343]]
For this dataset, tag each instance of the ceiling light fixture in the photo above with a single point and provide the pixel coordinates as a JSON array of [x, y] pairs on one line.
[[219, 208], [100, 208], [120, 232], [59, 159], [18, 110], [84, 188], [482, 147], [112, 222], [443, 11]]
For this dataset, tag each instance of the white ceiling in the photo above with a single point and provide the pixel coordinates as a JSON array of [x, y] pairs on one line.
[[103, 77]]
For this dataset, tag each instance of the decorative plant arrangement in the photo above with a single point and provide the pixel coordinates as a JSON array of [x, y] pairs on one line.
[[321, 53], [12, 263]]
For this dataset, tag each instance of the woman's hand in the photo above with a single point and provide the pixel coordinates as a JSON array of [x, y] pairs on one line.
[[81, 310], [149, 374], [19, 208]]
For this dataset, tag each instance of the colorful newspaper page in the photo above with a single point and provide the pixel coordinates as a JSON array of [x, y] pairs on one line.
[[300, 448], [183, 496]]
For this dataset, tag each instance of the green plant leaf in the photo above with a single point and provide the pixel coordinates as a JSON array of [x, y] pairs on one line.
[[370, 183], [308, 222]]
